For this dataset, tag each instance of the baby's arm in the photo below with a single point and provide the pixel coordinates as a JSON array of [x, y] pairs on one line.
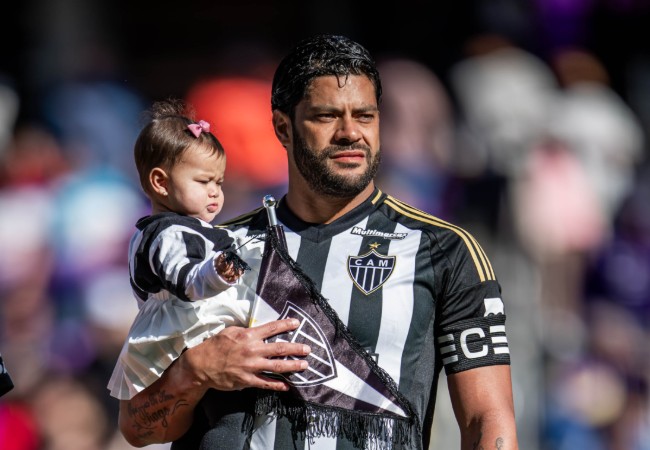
[[184, 265]]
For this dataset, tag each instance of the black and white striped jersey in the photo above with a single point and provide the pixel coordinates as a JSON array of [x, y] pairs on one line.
[[417, 292], [176, 253]]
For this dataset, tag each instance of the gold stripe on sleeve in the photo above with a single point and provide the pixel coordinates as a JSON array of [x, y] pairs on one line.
[[482, 263]]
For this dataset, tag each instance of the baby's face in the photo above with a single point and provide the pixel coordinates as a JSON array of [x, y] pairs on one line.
[[194, 187]]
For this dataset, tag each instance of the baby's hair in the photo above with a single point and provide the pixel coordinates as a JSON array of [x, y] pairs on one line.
[[166, 137]]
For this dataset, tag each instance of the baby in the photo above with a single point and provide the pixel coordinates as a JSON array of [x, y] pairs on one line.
[[182, 269]]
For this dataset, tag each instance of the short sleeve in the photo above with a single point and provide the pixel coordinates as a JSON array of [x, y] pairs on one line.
[[471, 327]]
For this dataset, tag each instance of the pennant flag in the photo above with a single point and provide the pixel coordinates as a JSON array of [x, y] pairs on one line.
[[343, 393]]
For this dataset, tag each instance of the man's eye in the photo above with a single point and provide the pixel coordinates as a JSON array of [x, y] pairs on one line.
[[367, 117]]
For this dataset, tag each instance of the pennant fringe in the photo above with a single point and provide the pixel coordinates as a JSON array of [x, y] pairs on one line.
[[365, 430]]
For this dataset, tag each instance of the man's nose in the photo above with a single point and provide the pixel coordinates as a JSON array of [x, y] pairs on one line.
[[348, 130]]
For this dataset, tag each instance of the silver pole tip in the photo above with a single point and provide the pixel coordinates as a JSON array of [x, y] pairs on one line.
[[269, 201]]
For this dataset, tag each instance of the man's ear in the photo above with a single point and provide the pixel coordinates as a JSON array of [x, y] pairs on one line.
[[282, 127], [158, 179]]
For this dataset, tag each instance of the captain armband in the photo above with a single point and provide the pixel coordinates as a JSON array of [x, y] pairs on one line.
[[474, 343]]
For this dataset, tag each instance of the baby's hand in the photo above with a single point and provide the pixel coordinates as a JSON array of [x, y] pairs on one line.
[[228, 270]]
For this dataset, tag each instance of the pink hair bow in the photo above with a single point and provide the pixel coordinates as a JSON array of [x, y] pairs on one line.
[[197, 128]]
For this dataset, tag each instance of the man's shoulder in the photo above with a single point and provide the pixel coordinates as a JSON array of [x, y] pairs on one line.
[[416, 219], [459, 245]]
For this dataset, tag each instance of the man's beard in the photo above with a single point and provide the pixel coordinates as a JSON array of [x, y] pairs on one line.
[[322, 180]]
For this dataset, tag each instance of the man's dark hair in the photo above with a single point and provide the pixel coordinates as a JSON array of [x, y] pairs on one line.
[[319, 56]]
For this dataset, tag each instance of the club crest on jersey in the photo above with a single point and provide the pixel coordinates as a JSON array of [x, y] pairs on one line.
[[370, 271], [321, 359]]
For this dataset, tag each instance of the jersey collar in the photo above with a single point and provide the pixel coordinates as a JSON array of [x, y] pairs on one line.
[[320, 232]]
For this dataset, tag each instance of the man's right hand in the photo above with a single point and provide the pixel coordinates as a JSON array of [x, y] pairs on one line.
[[234, 359]]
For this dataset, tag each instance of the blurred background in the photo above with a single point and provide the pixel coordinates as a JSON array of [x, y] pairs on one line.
[[525, 122]]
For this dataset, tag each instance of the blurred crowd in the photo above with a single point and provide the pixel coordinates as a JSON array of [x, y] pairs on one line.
[[537, 155]]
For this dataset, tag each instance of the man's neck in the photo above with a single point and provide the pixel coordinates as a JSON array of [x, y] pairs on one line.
[[317, 208]]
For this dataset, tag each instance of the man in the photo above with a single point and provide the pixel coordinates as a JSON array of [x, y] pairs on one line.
[[437, 303]]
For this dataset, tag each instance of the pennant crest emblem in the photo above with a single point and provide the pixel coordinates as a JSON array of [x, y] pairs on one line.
[[370, 271], [321, 359]]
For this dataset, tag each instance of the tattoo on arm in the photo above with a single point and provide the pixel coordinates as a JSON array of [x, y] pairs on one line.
[[498, 444], [154, 412]]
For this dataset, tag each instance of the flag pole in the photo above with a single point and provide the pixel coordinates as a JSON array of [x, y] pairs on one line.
[[269, 203]]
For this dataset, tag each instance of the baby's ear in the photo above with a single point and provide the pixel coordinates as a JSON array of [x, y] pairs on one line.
[[158, 180]]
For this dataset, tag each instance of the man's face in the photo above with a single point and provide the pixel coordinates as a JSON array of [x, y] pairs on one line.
[[336, 136]]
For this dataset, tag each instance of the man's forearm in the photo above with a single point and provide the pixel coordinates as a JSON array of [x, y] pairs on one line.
[[234, 359], [483, 404], [161, 413], [489, 436]]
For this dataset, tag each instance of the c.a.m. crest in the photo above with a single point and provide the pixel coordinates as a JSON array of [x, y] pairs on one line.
[[321, 359], [370, 271]]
